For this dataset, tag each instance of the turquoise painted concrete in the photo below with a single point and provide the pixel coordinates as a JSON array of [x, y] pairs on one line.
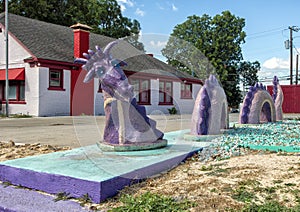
[[90, 163]]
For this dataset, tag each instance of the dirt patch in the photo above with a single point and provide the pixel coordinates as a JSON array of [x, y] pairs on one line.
[[256, 177], [10, 150]]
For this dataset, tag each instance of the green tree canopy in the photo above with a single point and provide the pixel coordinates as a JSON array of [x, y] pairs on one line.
[[248, 72], [104, 16], [217, 46]]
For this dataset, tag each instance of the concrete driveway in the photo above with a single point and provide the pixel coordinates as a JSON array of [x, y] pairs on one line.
[[76, 131]]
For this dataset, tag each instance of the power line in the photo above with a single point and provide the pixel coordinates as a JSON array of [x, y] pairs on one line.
[[266, 31]]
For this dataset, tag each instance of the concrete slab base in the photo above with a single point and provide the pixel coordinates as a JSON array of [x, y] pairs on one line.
[[133, 147], [88, 170], [190, 137]]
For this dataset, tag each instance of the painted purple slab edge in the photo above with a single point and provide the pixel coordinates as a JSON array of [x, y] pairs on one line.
[[98, 191]]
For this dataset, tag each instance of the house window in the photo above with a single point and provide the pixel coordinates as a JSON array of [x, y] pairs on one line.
[[99, 87], [16, 92], [141, 89], [165, 93], [186, 91], [56, 79]]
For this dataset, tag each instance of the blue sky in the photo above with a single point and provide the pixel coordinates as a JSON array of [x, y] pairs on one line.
[[266, 27]]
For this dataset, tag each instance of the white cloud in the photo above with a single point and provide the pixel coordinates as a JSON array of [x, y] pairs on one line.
[[124, 3], [275, 67], [158, 44], [167, 6], [140, 12], [276, 63], [174, 8]]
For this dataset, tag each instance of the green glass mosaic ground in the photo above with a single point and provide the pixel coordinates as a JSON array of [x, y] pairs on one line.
[[279, 136]]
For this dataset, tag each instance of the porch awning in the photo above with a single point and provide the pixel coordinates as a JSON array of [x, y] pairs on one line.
[[13, 74]]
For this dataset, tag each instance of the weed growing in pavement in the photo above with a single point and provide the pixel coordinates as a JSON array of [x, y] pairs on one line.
[[62, 196], [6, 184], [84, 199]]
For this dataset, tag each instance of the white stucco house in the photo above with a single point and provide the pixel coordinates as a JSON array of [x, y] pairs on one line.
[[44, 81]]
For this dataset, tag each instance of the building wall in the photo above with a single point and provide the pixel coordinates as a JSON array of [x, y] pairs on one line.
[[43, 102], [53, 102], [17, 54], [291, 101], [183, 106], [99, 99], [31, 93]]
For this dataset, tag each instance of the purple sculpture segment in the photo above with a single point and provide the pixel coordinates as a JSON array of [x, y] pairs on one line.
[[126, 121], [258, 106], [277, 98], [210, 113]]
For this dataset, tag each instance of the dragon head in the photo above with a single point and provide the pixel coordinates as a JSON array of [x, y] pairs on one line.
[[99, 64]]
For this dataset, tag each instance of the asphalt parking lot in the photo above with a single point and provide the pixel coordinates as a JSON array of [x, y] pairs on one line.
[[79, 130]]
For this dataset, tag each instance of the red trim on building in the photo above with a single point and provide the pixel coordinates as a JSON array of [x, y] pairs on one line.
[[140, 92], [60, 79], [14, 102], [186, 91], [13, 74], [51, 64], [81, 42], [82, 94], [166, 93]]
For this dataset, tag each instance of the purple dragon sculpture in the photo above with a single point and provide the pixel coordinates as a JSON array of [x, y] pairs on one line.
[[210, 113], [258, 106], [126, 121], [277, 98]]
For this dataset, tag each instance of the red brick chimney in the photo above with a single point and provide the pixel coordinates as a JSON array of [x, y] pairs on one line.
[[82, 94], [81, 39]]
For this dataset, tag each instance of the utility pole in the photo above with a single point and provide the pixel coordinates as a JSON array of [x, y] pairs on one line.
[[297, 60], [6, 53], [296, 29]]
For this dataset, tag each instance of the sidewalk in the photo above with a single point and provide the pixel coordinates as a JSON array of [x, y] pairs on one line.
[[13, 199]]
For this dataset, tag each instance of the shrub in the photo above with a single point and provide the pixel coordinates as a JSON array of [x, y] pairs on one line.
[[172, 110]]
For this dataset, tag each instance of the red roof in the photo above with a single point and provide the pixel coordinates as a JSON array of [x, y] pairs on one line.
[[13, 74]]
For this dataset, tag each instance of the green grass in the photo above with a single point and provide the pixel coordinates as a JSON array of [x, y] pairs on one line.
[[242, 195], [271, 206], [206, 168], [150, 202], [20, 116]]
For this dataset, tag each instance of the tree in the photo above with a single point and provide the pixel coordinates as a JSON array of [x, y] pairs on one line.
[[2, 6], [248, 73], [104, 16], [218, 39]]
